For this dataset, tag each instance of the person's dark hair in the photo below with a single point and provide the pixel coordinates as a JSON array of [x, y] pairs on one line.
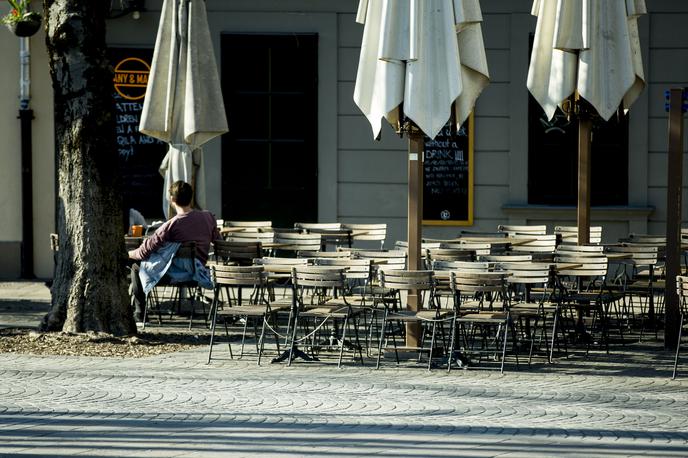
[[181, 193]]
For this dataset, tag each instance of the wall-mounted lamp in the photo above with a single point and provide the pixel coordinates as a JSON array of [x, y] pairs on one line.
[[121, 8]]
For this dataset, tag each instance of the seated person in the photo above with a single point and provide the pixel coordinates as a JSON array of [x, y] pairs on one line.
[[156, 252]]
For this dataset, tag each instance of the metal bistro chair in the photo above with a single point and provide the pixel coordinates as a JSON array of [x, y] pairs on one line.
[[293, 242], [482, 319], [319, 294], [376, 232], [429, 313], [636, 289], [258, 308], [569, 234], [531, 302], [586, 297], [524, 229]]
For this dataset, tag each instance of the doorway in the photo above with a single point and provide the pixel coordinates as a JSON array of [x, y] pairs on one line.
[[270, 155]]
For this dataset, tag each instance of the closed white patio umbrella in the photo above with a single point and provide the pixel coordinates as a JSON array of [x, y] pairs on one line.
[[588, 51], [183, 104], [422, 63]]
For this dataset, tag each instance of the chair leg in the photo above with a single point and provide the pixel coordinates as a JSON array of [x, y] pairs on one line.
[[243, 337], [341, 343], [261, 342], [506, 338], [358, 343], [293, 341], [452, 330], [212, 330], [678, 347], [382, 336], [432, 345]]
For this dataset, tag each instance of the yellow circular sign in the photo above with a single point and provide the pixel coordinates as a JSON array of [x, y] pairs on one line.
[[131, 78]]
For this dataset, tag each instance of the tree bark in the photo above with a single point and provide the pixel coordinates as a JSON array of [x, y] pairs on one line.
[[89, 291]]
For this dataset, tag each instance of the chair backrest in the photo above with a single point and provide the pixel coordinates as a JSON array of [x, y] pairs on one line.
[[294, 241], [262, 226], [251, 236], [241, 252], [470, 282], [461, 265], [487, 287], [367, 232], [317, 227], [393, 259], [646, 239], [324, 254], [359, 269], [583, 266], [579, 250], [534, 243], [512, 229], [279, 267], [525, 272], [187, 250], [638, 254], [450, 254], [469, 233], [510, 258], [131, 243], [480, 248], [318, 277], [253, 276], [405, 280], [403, 245], [569, 234]]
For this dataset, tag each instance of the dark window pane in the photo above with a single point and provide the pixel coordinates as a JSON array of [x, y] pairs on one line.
[[249, 116], [285, 123]]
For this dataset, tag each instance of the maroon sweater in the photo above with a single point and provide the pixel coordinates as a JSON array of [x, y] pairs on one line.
[[197, 225]]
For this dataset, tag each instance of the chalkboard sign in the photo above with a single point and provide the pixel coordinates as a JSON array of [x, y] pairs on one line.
[[139, 155], [448, 177]]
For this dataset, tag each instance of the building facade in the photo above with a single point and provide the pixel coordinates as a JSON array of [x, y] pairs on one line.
[[296, 100]]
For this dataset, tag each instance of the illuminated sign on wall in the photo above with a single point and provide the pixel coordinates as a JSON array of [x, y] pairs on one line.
[[131, 78]]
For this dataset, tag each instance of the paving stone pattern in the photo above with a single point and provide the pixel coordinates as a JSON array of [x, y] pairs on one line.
[[177, 406]]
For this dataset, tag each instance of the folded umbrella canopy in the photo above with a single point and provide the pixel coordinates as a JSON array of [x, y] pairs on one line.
[[427, 54], [590, 48], [183, 104], [428, 57]]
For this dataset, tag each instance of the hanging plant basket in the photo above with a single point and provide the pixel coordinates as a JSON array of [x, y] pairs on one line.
[[25, 28]]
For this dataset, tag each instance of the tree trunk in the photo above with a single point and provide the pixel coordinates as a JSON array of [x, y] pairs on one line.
[[89, 291]]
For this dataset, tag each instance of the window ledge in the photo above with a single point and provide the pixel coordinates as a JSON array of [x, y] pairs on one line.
[[549, 212]]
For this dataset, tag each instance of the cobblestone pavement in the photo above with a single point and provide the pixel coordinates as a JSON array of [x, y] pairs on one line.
[[177, 406]]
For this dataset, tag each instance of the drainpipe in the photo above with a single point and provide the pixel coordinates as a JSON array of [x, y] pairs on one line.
[[25, 118]]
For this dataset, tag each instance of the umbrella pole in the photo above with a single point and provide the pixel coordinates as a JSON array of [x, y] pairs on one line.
[[415, 223], [673, 228], [584, 146]]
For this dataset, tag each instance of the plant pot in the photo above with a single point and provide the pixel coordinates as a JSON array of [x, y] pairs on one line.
[[25, 28]]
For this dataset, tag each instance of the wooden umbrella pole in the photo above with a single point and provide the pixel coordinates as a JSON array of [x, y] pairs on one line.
[[673, 229], [584, 158], [415, 222]]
